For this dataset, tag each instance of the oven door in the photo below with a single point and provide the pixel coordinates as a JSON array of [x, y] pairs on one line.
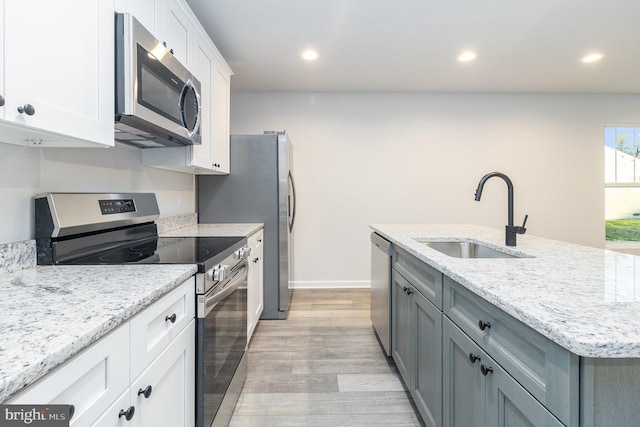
[[220, 348]]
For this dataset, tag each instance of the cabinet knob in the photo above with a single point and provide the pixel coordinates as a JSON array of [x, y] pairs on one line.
[[483, 325], [485, 370], [473, 357], [171, 318], [145, 391], [259, 240], [1, 101], [128, 414], [409, 291], [256, 260], [28, 109], [405, 289], [171, 51]]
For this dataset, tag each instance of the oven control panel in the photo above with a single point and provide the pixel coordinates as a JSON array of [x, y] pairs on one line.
[[116, 206]]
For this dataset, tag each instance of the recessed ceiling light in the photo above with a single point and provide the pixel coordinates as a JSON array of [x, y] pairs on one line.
[[310, 55], [467, 56], [592, 57]]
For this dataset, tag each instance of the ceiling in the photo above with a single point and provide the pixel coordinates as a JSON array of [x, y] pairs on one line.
[[413, 45]]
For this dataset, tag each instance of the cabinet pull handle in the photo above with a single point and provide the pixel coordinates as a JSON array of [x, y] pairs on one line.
[[409, 291], [1, 101], [128, 414], [28, 109], [145, 391], [473, 357], [171, 318], [486, 370], [484, 325]]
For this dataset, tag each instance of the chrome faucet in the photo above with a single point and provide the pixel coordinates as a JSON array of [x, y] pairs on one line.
[[510, 229]]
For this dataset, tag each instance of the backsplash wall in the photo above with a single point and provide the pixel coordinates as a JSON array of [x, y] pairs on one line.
[[27, 171]]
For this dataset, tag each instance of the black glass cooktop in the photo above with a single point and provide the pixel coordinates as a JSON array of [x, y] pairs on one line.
[[202, 251]]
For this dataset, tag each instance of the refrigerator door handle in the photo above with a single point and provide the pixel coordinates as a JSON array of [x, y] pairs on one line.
[[292, 211]]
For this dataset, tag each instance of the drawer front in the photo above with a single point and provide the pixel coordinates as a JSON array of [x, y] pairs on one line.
[[423, 277], [256, 240], [91, 381], [152, 329], [546, 370]]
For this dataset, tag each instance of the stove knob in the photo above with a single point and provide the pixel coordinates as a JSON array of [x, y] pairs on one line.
[[219, 273], [242, 253]]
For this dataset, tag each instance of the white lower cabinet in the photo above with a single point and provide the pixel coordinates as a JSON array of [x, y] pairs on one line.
[[143, 370], [255, 282], [90, 381]]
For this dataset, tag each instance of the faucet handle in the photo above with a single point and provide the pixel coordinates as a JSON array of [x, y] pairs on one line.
[[522, 229]]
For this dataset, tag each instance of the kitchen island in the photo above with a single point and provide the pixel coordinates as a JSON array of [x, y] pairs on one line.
[[578, 305]]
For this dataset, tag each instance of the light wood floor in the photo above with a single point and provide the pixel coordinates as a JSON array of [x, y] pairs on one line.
[[322, 367]]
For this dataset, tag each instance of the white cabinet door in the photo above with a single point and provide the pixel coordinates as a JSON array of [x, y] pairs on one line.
[[143, 10], [90, 381], [202, 67], [221, 105], [170, 386], [58, 69], [174, 28], [255, 282], [116, 415]]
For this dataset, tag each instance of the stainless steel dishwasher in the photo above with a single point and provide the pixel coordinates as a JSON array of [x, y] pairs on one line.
[[381, 290]]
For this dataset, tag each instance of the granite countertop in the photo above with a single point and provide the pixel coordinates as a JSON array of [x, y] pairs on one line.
[[214, 230], [50, 313], [585, 299]]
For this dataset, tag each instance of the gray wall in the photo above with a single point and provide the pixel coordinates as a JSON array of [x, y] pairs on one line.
[[416, 158]]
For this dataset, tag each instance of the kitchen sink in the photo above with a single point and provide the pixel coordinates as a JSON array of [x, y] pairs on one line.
[[468, 250]]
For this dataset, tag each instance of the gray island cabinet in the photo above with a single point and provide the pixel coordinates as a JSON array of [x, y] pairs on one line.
[[469, 359]]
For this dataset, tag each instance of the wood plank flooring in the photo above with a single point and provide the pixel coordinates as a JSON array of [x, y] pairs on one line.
[[322, 366]]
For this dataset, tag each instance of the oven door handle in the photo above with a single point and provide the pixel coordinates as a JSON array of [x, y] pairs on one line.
[[234, 283]]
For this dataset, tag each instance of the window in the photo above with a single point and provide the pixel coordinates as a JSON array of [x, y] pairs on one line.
[[622, 183]]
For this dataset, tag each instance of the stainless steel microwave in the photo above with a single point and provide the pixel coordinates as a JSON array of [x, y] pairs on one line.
[[157, 98]]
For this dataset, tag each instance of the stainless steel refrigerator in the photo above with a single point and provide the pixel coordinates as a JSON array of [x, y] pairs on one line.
[[260, 188]]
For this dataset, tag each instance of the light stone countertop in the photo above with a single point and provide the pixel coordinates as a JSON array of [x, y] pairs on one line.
[[50, 313], [214, 230], [585, 299]]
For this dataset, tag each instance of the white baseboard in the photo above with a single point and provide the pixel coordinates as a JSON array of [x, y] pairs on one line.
[[331, 284]]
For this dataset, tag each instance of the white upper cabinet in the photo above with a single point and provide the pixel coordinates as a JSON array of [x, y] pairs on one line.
[[56, 72], [143, 10], [179, 28], [174, 28]]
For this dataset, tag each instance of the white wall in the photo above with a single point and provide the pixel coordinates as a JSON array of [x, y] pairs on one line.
[[27, 171], [417, 158]]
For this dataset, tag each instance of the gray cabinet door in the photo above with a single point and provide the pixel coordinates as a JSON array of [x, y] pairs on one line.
[[401, 336], [508, 404], [426, 364], [464, 397]]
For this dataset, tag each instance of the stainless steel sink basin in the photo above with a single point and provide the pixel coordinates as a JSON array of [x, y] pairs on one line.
[[468, 250]]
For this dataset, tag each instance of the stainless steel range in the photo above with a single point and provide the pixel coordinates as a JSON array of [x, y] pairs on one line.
[[105, 228]]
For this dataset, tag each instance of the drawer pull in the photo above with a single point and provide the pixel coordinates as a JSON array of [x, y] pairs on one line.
[[128, 414], [146, 392], [483, 325], [473, 357], [171, 318], [485, 370]]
